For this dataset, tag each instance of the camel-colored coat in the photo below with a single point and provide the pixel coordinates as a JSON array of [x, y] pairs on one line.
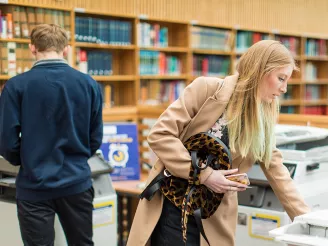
[[197, 109]]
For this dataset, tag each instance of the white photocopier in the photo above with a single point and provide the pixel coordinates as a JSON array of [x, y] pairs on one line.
[[306, 230], [104, 213], [305, 152]]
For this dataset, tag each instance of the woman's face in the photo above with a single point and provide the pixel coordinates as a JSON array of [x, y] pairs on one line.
[[275, 83]]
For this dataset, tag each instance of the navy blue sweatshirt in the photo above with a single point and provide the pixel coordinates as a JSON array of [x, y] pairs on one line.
[[50, 124]]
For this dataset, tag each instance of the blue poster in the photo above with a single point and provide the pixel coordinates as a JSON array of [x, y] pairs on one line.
[[120, 148]]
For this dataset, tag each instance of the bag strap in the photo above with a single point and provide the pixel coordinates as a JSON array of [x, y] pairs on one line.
[[198, 219], [154, 185]]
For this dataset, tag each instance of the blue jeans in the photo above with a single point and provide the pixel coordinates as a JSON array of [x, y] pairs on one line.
[[168, 231]]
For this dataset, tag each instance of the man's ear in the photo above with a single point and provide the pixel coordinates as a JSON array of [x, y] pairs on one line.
[[66, 50], [32, 49]]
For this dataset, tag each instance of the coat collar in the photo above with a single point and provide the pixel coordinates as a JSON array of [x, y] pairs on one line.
[[212, 109]]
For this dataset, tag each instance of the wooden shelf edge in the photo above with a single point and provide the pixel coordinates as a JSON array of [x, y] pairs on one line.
[[120, 113], [316, 82], [295, 81], [315, 58], [290, 102], [165, 49], [5, 77], [44, 6], [115, 78], [184, 76], [212, 52], [304, 119], [85, 11], [147, 111], [193, 77], [145, 18], [16, 40], [315, 102]]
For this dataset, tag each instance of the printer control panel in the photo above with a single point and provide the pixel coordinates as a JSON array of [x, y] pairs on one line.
[[291, 168]]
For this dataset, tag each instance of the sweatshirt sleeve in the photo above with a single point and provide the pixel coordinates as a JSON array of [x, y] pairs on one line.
[[96, 126], [10, 125]]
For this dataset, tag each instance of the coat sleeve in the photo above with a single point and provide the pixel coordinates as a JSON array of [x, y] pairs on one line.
[[164, 136], [284, 187]]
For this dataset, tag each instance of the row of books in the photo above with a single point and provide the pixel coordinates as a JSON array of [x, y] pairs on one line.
[[18, 22], [155, 92], [15, 58], [288, 110], [312, 92], [316, 47], [102, 31], [152, 35], [94, 62], [311, 71], [316, 110], [292, 43], [245, 39], [211, 38], [211, 65], [313, 110], [158, 63]]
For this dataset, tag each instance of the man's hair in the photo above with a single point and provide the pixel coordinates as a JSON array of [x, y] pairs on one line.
[[49, 37]]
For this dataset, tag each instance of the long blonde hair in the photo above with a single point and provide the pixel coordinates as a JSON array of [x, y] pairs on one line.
[[251, 121]]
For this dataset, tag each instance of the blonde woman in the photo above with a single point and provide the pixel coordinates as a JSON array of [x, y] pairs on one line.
[[242, 111]]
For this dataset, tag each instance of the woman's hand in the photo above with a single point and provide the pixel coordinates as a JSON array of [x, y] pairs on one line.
[[218, 183]]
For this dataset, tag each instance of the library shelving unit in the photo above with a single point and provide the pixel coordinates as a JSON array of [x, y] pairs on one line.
[[163, 63], [105, 47], [144, 63]]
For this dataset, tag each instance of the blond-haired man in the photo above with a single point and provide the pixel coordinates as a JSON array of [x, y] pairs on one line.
[[50, 124]]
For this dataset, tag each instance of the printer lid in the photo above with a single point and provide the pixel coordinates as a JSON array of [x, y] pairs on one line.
[[300, 231], [99, 165], [317, 218], [286, 134]]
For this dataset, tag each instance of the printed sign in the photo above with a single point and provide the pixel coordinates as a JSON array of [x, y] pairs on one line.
[[103, 215], [261, 224], [120, 148]]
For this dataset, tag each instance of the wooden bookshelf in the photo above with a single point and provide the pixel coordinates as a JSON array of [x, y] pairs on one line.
[[126, 88], [16, 40], [124, 85]]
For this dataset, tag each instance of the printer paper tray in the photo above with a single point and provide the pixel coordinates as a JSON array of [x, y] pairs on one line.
[[303, 240]]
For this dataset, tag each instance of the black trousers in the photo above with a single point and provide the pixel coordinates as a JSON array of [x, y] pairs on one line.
[[168, 231], [36, 220]]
